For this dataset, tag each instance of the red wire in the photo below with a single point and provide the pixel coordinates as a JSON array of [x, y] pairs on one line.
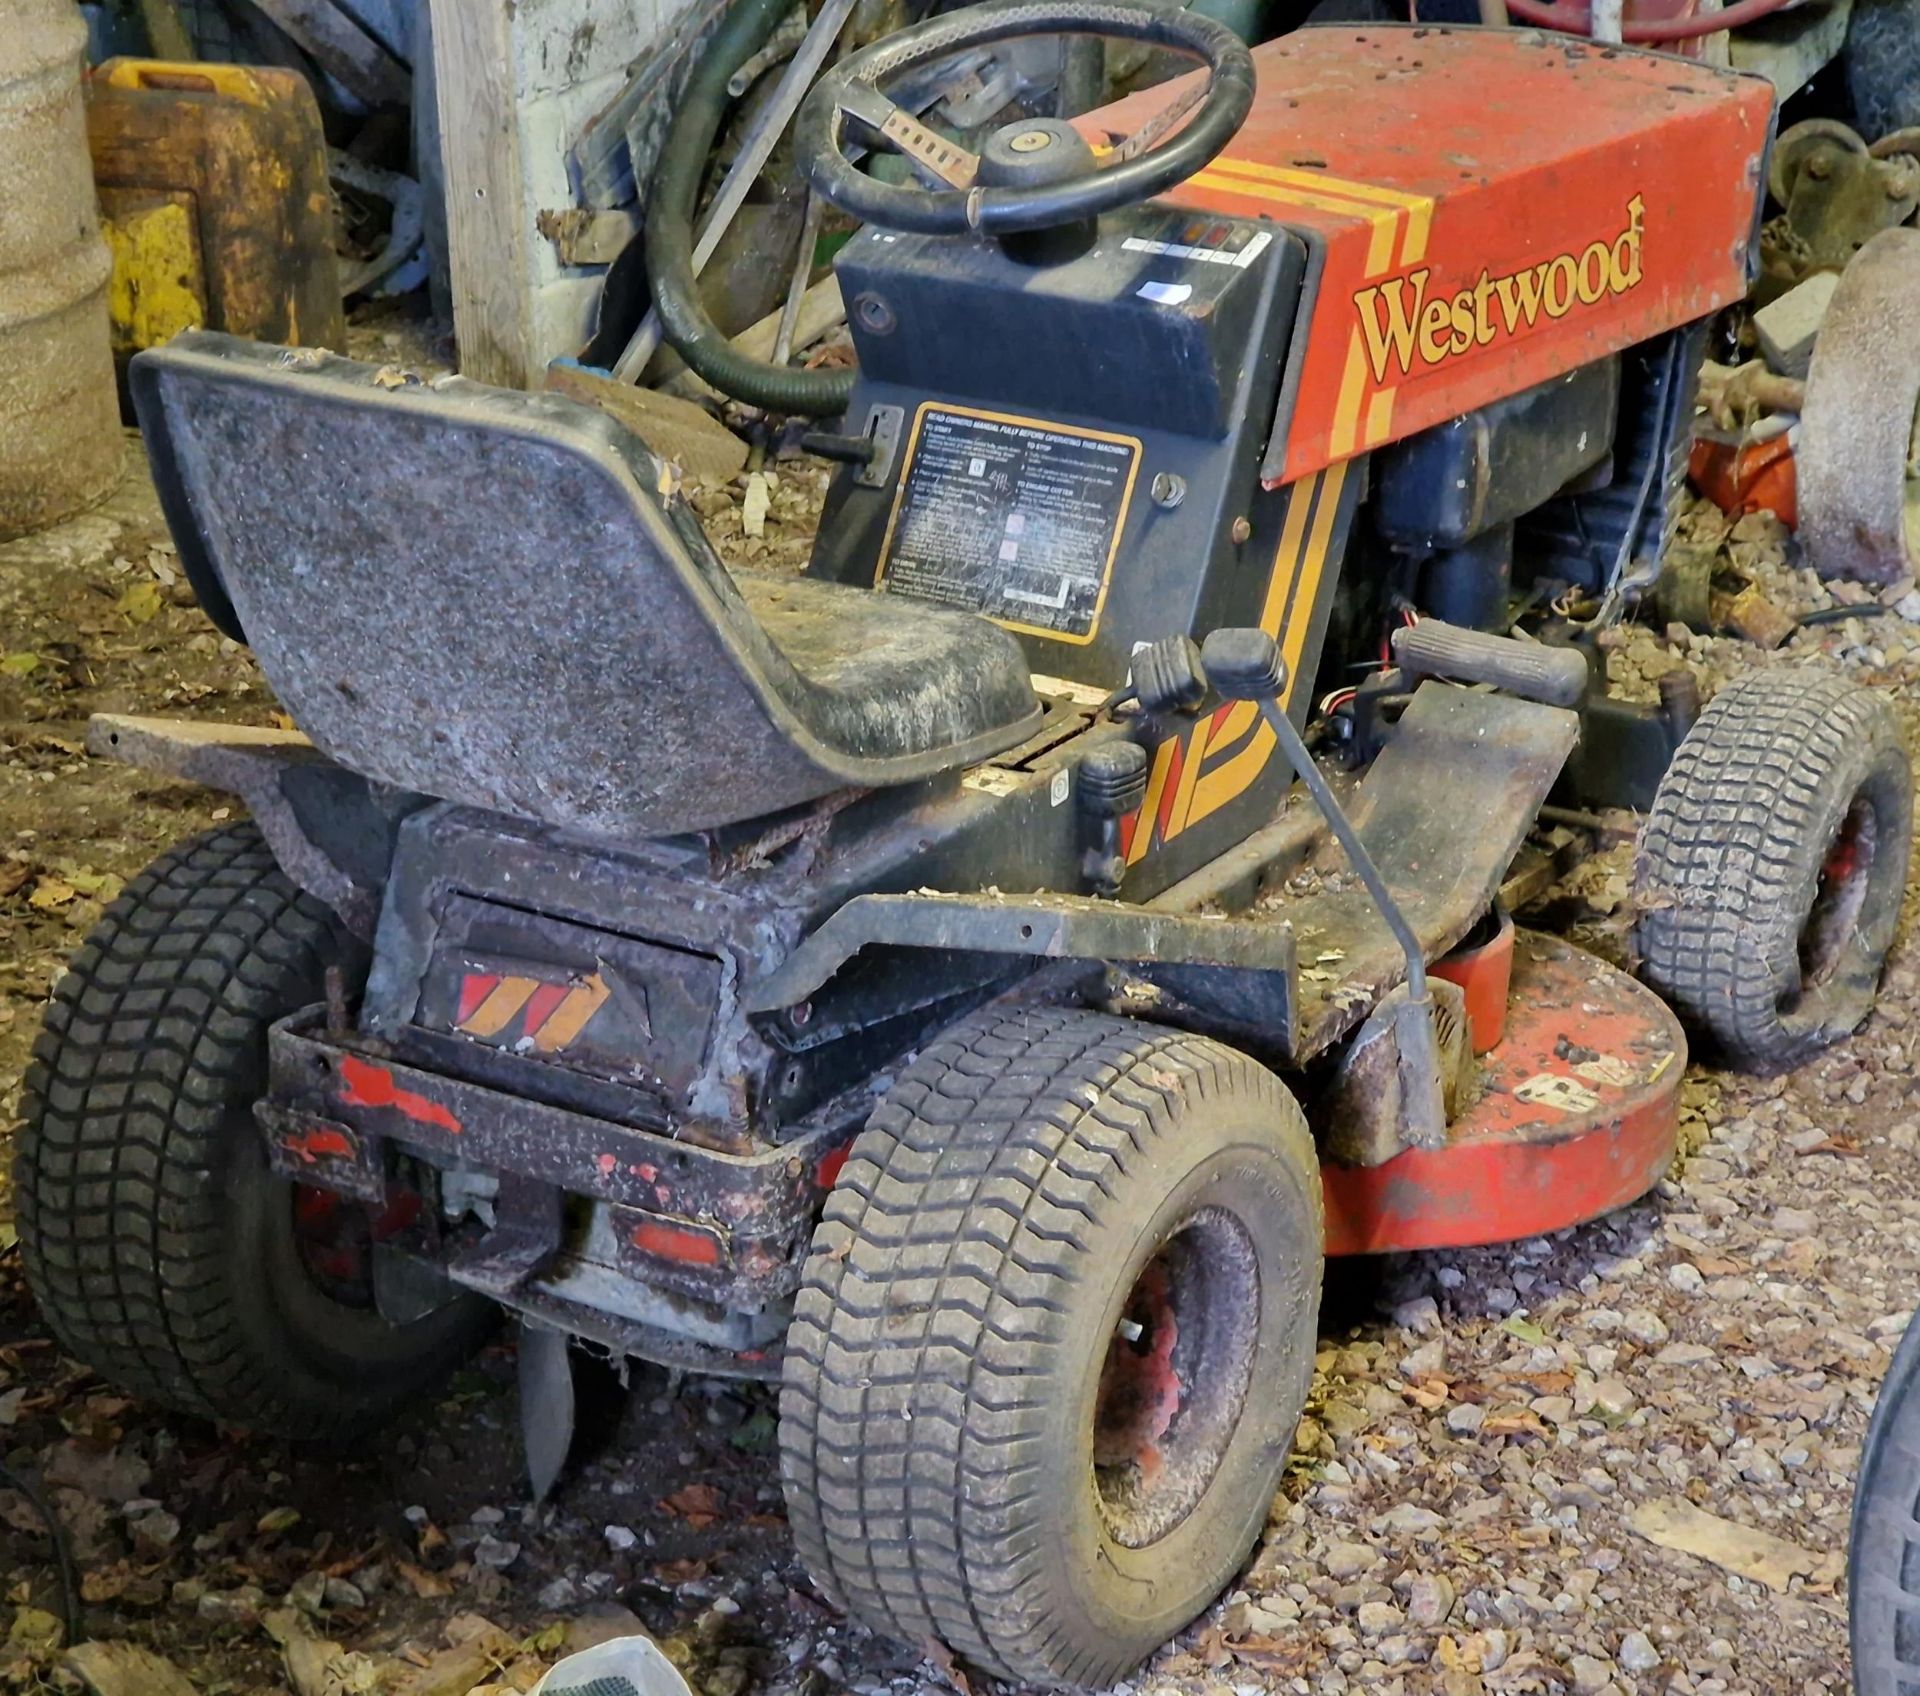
[[1574, 22]]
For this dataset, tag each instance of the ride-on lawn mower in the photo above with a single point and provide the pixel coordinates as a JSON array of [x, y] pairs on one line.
[[911, 981]]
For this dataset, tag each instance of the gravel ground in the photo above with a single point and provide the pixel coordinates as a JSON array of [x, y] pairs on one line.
[[1503, 1449]]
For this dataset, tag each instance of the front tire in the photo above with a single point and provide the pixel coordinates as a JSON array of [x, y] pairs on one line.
[[1773, 862], [162, 1249], [1052, 1342], [1883, 1557]]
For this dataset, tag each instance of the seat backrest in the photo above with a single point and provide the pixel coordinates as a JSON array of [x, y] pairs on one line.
[[491, 597]]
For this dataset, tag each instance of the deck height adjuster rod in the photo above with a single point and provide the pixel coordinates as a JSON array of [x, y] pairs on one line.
[[1246, 665]]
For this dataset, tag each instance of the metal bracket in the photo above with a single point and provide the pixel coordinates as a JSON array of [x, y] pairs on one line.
[[525, 1235], [884, 425], [296, 794], [1047, 927]]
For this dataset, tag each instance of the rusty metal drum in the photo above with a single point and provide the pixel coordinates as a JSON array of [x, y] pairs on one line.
[[60, 441]]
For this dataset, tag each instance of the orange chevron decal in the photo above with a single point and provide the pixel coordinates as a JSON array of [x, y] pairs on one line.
[[551, 1016]]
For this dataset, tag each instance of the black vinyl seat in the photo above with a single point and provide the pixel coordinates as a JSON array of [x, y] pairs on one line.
[[500, 599]]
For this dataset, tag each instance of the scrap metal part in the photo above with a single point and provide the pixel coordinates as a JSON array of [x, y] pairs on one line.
[[1856, 459]]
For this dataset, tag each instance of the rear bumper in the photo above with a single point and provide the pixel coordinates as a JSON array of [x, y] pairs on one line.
[[729, 1229]]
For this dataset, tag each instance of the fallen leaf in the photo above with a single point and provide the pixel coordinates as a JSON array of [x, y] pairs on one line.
[[1840, 1143], [1525, 1330], [424, 1584], [698, 1504], [754, 1435], [104, 1583], [941, 1657], [20, 1514], [139, 602], [317, 1666], [276, 1520], [121, 1669], [754, 506], [1676, 1523], [51, 893], [36, 1631], [114, 1475], [1524, 1422], [13, 876], [19, 665]]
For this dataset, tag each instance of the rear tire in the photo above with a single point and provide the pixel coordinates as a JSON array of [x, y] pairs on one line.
[[159, 1244], [1773, 862], [1052, 1342], [1883, 1557]]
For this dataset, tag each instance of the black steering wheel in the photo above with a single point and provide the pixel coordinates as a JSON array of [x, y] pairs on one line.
[[1034, 175]]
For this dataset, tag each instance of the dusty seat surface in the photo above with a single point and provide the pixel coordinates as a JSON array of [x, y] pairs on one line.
[[500, 599]]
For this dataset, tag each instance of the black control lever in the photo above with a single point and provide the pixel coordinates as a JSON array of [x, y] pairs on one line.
[[845, 450], [1245, 665]]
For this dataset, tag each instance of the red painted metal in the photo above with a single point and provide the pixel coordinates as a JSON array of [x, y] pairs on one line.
[[364, 1084], [1140, 1388], [1576, 1116], [1495, 208], [694, 1245], [1485, 973]]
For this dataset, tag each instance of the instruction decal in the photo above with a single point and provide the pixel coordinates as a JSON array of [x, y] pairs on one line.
[[1015, 518]]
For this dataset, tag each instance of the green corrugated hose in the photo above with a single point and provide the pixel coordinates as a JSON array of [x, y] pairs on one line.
[[669, 234]]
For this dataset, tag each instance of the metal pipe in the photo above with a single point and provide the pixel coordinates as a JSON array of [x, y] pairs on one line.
[[1648, 30], [802, 276]]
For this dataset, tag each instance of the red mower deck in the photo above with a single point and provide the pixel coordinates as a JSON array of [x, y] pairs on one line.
[[1578, 1110]]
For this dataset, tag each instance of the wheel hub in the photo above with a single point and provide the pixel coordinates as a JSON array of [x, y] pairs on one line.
[[335, 1238], [1840, 894], [1175, 1377]]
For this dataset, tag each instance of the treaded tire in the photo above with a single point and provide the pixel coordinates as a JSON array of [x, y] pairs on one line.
[[158, 1243], [1883, 1556], [1882, 63], [951, 1367], [1771, 867]]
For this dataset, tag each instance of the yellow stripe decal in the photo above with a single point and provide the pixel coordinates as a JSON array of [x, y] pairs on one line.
[[1323, 180], [1346, 409], [571, 1017], [1286, 559], [501, 1007], [1287, 616], [1189, 775], [1380, 416], [1382, 222], [1300, 614], [1413, 211], [1143, 832]]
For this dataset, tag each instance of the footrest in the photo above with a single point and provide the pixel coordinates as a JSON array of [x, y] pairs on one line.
[[1442, 813], [1556, 677]]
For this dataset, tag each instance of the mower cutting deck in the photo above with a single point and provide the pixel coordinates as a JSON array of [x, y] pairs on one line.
[[978, 981]]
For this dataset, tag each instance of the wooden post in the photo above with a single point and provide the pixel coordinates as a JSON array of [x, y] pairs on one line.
[[489, 237]]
